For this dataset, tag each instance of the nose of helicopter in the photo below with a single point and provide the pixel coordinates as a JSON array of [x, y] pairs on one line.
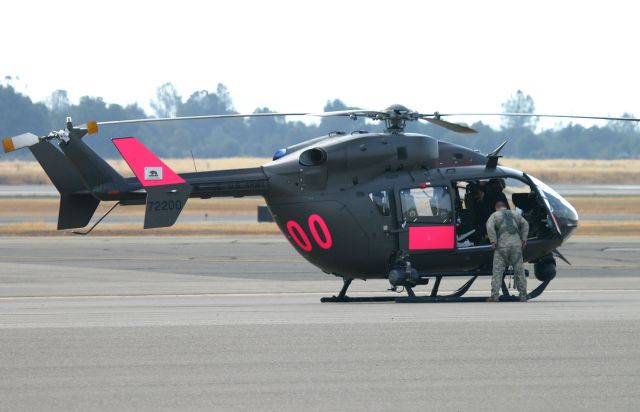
[[566, 215]]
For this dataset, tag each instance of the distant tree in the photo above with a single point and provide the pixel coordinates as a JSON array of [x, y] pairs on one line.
[[266, 125], [203, 103], [261, 136], [59, 107], [519, 103], [18, 114], [205, 137], [340, 123], [58, 101], [224, 97], [623, 126], [11, 81], [95, 108], [167, 102]]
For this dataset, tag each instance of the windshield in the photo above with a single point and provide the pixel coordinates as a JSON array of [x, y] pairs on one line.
[[559, 206]]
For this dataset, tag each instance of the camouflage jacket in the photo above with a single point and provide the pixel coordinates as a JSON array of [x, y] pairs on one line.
[[507, 228]]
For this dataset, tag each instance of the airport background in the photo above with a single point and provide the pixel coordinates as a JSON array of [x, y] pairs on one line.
[[219, 312], [262, 137]]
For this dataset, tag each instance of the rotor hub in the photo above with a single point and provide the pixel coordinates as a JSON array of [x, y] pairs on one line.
[[396, 118]]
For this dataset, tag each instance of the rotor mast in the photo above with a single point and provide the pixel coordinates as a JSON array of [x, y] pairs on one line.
[[396, 120]]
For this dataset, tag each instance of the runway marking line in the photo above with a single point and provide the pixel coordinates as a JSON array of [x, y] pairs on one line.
[[258, 294]]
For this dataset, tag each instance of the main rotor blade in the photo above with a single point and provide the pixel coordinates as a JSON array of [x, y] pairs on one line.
[[366, 113], [563, 116], [212, 116], [455, 127], [373, 114]]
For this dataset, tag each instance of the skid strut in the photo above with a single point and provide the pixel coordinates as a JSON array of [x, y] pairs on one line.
[[342, 296]]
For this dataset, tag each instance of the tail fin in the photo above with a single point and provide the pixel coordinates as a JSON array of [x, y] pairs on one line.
[[81, 176], [96, 174], [76, 207], [58, 167], [167, 193]]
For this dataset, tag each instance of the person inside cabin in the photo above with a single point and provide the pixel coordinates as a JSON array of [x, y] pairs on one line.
[[494, 192], [482, 211]]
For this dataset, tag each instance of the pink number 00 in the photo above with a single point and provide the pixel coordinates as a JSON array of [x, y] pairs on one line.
[[319, 232]]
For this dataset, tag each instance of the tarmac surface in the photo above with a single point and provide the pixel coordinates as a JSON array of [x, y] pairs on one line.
[[143, 323]]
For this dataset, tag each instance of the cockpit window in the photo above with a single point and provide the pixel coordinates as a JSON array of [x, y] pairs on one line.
[[380, 200], [558, 204], [430, 204]]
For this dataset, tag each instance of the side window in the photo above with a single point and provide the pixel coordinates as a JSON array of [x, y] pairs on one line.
[[431, 204], [380, 200]]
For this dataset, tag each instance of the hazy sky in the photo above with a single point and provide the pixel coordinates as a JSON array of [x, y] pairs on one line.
[[450, 56]]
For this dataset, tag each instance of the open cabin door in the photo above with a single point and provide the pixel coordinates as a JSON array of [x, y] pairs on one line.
[[426, 218], [552, 222]]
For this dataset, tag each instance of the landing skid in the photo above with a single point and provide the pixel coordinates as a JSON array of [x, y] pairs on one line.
[[457, 296], [342, 296]]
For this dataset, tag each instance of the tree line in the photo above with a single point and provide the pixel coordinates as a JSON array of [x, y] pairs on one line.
[[262, 136]]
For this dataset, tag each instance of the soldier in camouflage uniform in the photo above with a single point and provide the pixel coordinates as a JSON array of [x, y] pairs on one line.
[[507, 232]]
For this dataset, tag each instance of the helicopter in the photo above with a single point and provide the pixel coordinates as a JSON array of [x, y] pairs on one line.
[[393, 205]]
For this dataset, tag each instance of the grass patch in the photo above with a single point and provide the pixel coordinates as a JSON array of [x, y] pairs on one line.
[[611, 205], [579, 171]]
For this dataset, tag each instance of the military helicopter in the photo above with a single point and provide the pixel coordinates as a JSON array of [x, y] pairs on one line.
[[393, 205]]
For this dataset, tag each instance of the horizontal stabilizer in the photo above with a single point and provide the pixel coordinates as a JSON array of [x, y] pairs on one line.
[[167, 193]]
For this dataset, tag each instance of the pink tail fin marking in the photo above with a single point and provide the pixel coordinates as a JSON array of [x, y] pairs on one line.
[[148, 168]]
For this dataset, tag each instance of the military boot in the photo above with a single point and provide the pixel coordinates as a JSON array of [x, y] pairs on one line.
[[523, 297], [493, 298]]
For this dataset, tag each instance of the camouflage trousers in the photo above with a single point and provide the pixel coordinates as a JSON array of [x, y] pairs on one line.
[[503, 257]]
